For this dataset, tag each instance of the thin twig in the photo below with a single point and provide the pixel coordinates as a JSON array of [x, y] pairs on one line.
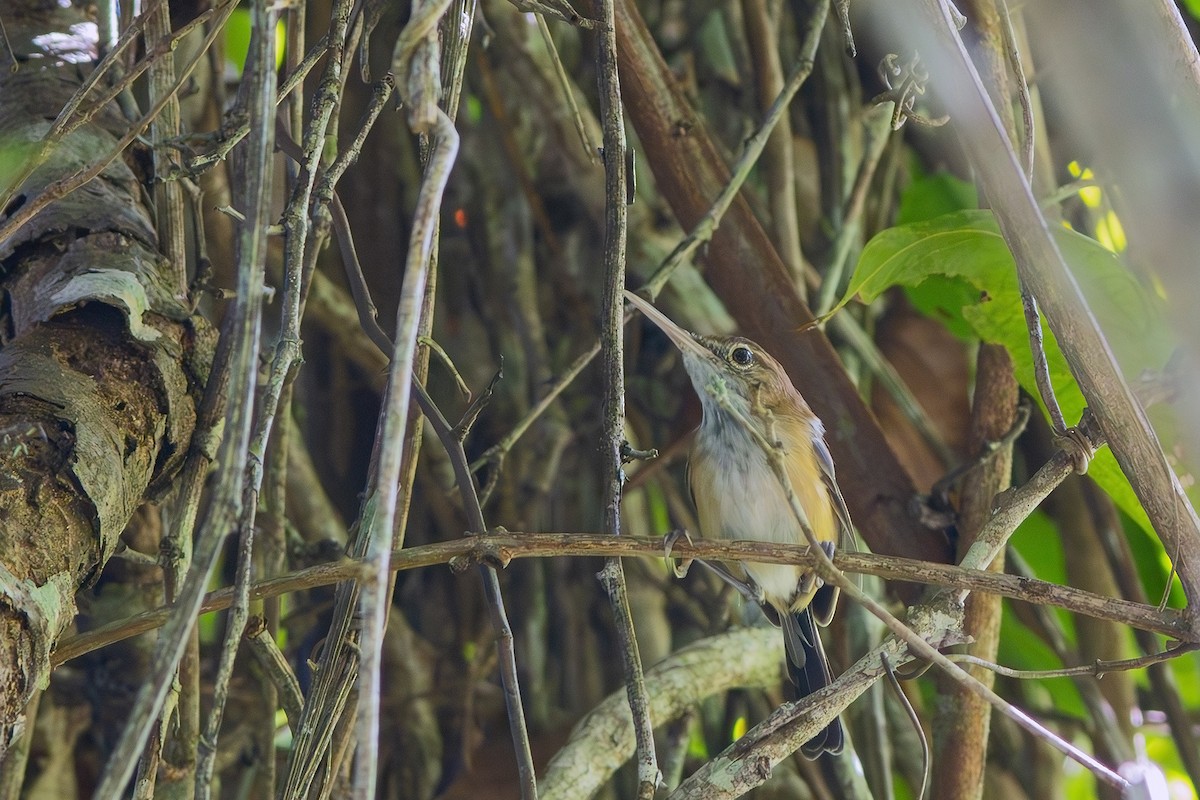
[[495, 454], [303, 240], [368, 314], [1018, 70], [474, 511], [502, 548], [612, 341], [416, 63], [175, 550], [1104, 518], [1041, 264], [1041, 367], [69, 183], [1018, 504], [1103, 728], [171, 230], [516, 158], [240, 338], [261, 71], [1069, 189], [878, 134], [568, 91], [852, 333], [230, 139], [704, 229], [926, 762], [779, 174], [380, 522], [1097, 669], [9, 55], [274, 663]]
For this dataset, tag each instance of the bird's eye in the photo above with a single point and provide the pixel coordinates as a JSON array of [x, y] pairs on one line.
[[742, 356]]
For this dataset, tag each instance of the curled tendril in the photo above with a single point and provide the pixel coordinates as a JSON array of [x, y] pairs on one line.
[[905, 82]]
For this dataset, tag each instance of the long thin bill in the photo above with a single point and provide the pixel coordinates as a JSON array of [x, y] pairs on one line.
[[682, 339]]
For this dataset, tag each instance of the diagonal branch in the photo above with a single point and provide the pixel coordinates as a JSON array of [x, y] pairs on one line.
[[1044, 271], [746, 272]]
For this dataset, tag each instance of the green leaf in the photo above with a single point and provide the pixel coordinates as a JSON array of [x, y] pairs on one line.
[[12, 158], [1186, 670], [940, 297], [943, 298], [237, 40], [1153, 565], [1038, 541], [930, 196], [1022, 649], [975, 288]]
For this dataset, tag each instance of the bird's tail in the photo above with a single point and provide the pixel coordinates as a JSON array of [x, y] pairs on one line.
[[808, 670]]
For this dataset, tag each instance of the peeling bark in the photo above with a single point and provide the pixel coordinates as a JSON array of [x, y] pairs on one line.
[[100, 362]]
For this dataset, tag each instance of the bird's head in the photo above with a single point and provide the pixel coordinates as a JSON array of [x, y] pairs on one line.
[[729, 367]]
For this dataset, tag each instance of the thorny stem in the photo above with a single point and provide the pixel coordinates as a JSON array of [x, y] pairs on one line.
[[299, 255], [160, 43], [168, 195], [417, 55], [231, 139], [501, 548]]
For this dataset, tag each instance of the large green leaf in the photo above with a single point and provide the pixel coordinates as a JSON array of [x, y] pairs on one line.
[[929, 196], [975, 288]]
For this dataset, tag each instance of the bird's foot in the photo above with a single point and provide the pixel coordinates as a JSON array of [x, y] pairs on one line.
[[809, 582], [678, 568]]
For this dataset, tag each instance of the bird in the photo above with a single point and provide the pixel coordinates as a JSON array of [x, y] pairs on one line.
[[738, 495]]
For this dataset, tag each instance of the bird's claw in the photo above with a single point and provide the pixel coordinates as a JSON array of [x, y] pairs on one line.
[[678, 568], [809, 582]]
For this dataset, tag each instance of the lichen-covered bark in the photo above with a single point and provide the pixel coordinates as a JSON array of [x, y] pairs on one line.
[[98, 361]]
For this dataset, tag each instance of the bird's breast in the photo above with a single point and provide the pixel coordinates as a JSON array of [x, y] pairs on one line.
[[739, 496]]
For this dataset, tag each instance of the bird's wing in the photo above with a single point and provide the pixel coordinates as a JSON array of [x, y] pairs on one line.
[[825, 601], [846, 534]]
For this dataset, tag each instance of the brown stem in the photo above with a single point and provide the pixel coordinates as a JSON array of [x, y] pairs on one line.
[[961, 729], [748, 275]]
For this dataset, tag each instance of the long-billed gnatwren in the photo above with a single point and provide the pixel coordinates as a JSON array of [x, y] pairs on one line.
[[738, 495]]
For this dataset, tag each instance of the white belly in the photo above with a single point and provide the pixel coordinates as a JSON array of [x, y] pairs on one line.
[[738, 496]]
